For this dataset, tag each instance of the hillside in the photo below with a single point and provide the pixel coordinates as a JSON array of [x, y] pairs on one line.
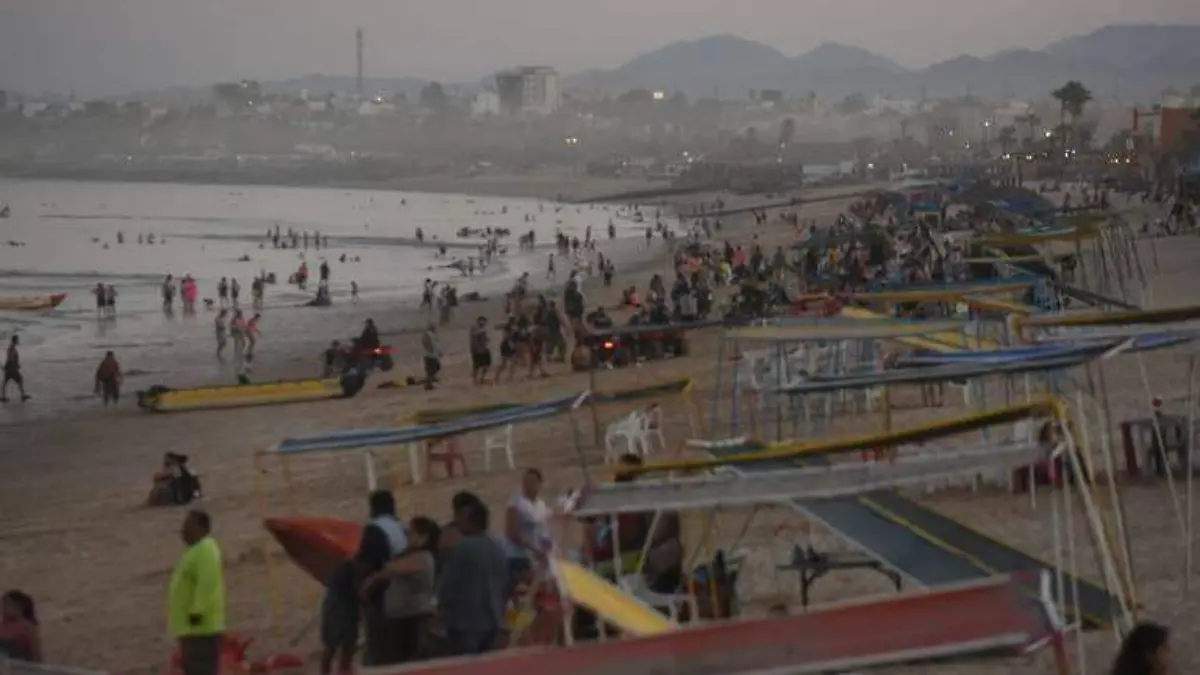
[[1138, 61]]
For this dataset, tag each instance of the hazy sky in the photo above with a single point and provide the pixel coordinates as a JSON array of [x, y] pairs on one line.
[[113, 46]]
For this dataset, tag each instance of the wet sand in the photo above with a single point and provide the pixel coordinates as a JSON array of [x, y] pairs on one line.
[[76, 537]]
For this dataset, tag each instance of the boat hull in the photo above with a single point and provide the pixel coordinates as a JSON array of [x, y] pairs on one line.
[[161, 399], [32, 302]]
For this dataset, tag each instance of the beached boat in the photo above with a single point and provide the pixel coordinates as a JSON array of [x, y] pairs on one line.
[[32, 302], [163, 399]]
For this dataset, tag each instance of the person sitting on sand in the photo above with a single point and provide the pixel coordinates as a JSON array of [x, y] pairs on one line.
[[20, 637], [108, 379], [174, 483]]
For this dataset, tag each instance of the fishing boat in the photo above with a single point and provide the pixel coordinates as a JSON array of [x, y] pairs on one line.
[[32, 302]]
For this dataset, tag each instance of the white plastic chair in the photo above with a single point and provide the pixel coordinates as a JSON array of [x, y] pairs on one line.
[[631, 429], [501, 440], [652, 424]]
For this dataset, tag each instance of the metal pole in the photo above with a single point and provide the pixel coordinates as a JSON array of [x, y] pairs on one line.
[[1191, 448]]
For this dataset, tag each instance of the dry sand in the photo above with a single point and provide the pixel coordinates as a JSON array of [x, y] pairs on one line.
[[75, 536]]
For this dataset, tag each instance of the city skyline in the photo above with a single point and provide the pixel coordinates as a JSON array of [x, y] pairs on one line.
[[114, 47]]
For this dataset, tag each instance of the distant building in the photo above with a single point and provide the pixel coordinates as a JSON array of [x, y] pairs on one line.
[[770, 96], [1164, 127], [529, 90], [485, 103]]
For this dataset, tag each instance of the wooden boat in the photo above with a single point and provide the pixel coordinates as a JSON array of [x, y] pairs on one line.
[[32, 302]]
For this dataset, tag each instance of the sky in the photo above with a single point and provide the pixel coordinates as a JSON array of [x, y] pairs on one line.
[[106, 47]]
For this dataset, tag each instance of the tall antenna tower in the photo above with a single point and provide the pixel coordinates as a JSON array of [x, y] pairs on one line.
[[358, 39]]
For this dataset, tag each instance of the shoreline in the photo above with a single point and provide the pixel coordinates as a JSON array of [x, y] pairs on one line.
[[545, 185], [179, 353]]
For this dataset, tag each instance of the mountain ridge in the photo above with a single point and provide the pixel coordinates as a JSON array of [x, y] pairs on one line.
[[1144, 59], [1139, 61]]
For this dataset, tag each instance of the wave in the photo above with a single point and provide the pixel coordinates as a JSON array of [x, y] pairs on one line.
[[352, 240], [206, 220], [80, 274]]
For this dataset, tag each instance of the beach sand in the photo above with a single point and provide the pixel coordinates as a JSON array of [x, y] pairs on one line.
[[75, 535]]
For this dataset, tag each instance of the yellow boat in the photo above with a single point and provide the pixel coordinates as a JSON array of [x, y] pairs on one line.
[[945, 341], [162, 399], [32, 302]]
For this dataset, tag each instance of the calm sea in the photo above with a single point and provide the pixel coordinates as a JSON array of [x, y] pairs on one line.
[[68, 242]]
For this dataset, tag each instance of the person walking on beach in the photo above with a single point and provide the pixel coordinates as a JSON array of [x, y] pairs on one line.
[[101, 299], [427, 295], [12, 371], [479, 344], [235, 289], [237, 331], [433, 355], [196, 598], [168, 293], [252, 334], [110, 301], [353, 291], [550, 267], [220, 330], [223, 292], [108, 379]]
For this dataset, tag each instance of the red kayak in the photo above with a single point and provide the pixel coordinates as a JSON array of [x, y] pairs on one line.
[[316, 545]]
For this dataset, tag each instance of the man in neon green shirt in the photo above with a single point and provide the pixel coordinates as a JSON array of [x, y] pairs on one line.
[[196, 598]]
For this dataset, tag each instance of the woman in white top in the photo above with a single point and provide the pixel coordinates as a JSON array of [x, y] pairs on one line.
[[525, 531]]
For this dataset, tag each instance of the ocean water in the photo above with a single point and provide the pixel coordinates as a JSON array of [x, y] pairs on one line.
[[68, 233]]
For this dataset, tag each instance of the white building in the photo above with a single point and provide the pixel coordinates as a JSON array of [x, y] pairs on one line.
[[485, 103], [529, 90]]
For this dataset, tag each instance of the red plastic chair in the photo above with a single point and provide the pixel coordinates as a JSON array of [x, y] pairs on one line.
[[447, 452]]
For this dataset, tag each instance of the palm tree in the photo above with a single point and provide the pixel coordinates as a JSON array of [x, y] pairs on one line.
[[1072, 97]]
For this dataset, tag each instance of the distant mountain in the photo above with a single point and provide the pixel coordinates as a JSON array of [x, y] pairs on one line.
[[834, 56], [1136, 61], [726, 64]]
